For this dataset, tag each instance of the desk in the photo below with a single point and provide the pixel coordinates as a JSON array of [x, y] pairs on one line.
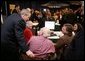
[[55, 38], [58, 33], [35, 24]]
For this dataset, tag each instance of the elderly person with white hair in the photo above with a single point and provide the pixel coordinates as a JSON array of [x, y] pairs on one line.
[[41, 46], [28, 32]]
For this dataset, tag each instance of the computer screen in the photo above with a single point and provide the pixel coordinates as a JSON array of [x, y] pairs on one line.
[[50, 24]]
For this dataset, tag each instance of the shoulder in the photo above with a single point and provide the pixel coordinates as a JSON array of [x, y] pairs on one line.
[[14, 17], [63, 37], [33, 37], [49, 41]]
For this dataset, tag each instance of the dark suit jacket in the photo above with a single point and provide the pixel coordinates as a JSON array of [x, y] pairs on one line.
[[12, 37], [76, 49], [64, 40], [61, 45]]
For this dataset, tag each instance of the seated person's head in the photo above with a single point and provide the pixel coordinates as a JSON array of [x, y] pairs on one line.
[[45, 32], [67, 29], [29, 24]]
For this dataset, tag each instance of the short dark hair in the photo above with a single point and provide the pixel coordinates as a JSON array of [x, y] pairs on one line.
[[69, 28]]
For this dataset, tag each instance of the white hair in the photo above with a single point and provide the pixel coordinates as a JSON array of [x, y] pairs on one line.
[[25, 12], [29, 9], [44, 32], [29, 23]]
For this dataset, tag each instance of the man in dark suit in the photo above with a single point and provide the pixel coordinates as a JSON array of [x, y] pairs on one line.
[[12, 38]]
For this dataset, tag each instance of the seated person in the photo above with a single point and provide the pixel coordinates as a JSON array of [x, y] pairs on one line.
[[28, 33], [66, 39], [40, 45]]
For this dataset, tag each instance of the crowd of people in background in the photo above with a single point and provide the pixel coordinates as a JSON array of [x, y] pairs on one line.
[[62, 16]]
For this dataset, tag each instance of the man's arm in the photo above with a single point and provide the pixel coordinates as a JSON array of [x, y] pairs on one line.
[[19, 28], [21, 40]]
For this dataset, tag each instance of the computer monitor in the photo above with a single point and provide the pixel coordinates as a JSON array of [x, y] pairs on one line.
[[50, 25]]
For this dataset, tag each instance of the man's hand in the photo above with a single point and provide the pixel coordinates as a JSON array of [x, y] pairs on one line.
[[30, 54]]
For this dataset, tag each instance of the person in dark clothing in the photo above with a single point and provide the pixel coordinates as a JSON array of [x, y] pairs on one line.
[[76, 48], [64, 41], [17, 9], [12, 38], [68, 17]]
